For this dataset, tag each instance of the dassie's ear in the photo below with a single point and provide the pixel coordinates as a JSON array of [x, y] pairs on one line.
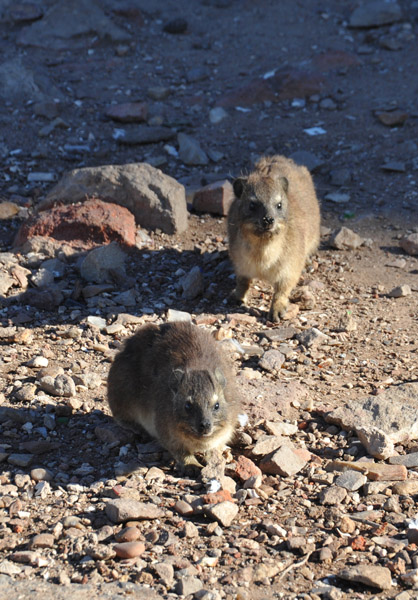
[[238, 186], [285, 183], [220, 377], [176, 378]]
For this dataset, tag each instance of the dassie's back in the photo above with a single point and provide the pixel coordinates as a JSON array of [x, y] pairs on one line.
[[140, 374]]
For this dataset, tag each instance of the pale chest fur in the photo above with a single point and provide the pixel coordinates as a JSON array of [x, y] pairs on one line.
[[258, 259]]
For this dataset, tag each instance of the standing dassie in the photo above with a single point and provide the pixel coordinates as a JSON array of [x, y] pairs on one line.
[[273, 227], [173, 381]]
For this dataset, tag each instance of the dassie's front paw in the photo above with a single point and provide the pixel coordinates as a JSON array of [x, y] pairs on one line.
[[276, 313], [188, 466]]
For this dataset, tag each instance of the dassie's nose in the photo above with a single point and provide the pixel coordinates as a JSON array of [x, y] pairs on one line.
[[268, 221], [204, 426]]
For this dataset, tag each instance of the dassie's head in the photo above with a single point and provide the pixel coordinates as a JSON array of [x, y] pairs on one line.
[[263, 203], [200, 407]]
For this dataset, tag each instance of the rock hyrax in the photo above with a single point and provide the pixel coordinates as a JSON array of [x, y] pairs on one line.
[[273, 227], [173, 381]]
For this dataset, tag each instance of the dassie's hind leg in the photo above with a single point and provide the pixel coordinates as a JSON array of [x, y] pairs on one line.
[[280, 298], [241, 291]]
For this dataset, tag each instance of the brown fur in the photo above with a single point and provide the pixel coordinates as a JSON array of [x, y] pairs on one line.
[[273, 228], [173, 381]]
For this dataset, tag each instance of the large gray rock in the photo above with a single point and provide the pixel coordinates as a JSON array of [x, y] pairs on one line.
[[71, 20], [155, 199], [376, 13], [381, 421]]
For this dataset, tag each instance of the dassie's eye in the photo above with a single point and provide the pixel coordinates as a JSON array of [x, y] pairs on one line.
[[279, 206], [188, 406], [252, 205], [216, 406]]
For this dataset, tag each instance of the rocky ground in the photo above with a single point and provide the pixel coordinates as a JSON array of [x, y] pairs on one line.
[[317, 497]]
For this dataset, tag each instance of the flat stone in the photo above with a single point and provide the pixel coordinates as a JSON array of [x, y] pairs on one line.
[[223, 512], [398, 263], [217, 114], [83, 224], [38, 446], [285, 462], [245, 468], [188, 585], [129, 549], [371, 575], [183, 508], [392, 118], [155, 199], [409, 460], [406, 488], [279, 428], [192, 283], [400, 291], [304, 297], [42, 540], [409, 243], [178, 315], [338, 197], [103, 264], [393, 414], [128, 534], [307, 159], [266, 444], [165, 572], [222, 495], [61, 385], [279, 334], [332, 495], [373, 471], [345, 238], [215, 198], [41, 474], [26, 393], [128, 112], [27, 557], [375, 14], [376, 442], [272, 361], [42, 278], [351, 480], [311, 338], [394, 166], [142, 135], [64, 27], [8, 568], [176, 26], [20, 460], [190, 151], [124, 509], [8, 210]]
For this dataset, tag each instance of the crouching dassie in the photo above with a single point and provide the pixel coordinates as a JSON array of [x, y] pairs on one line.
[[173, 381], [273, 228]]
